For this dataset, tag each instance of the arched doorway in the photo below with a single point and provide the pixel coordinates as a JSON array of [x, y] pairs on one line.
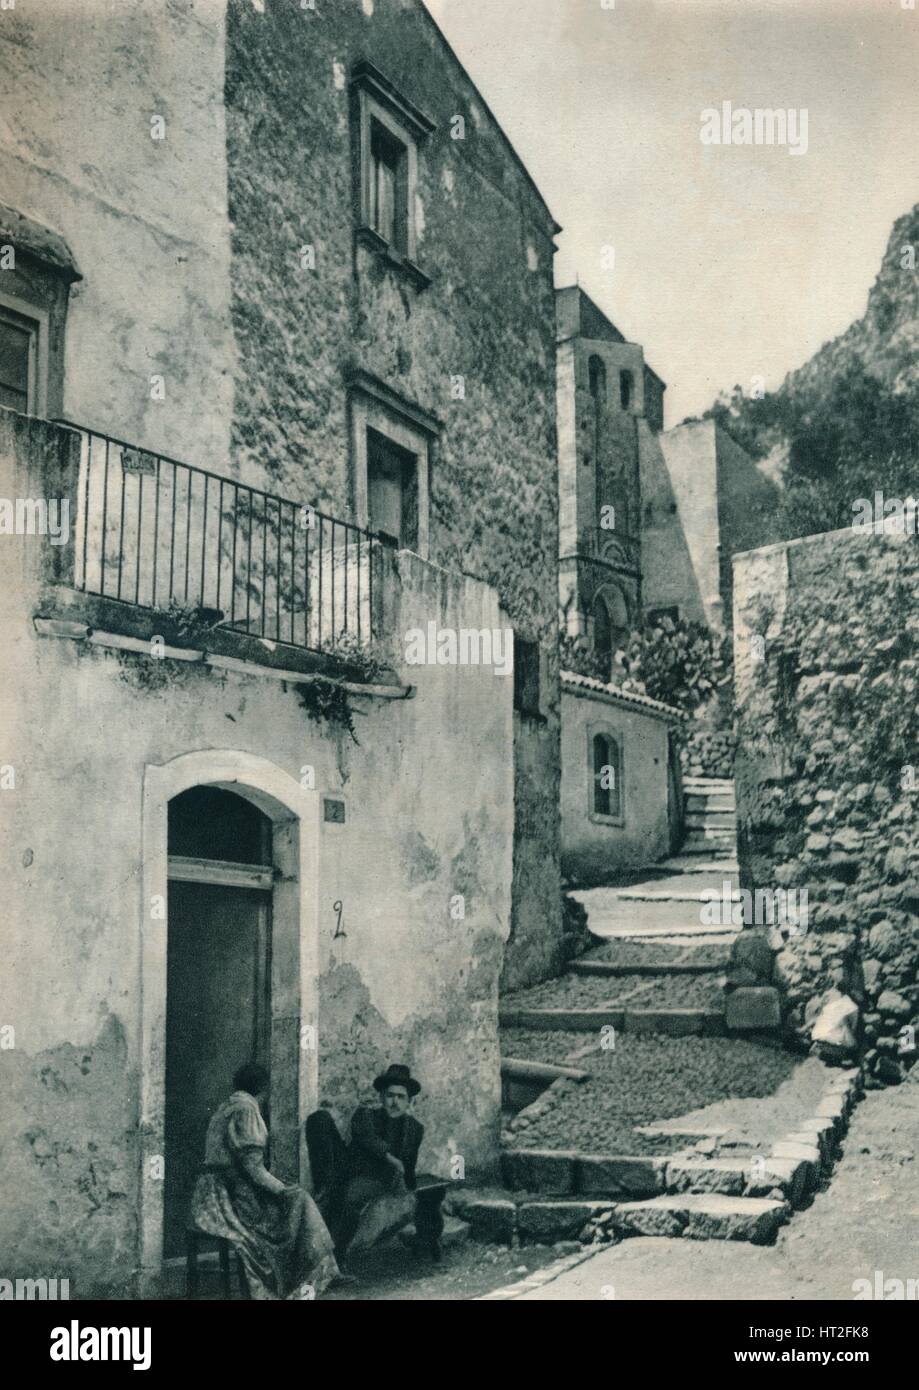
[[294, 816], [612, 625], [218, 974]]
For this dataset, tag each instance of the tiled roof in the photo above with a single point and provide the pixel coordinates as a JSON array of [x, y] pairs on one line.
[[616, 695]]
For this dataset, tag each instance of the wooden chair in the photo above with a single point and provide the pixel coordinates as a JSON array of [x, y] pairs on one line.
[[193, 1239]]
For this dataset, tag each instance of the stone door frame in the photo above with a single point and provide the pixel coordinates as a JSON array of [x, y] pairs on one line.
[[295, 816]]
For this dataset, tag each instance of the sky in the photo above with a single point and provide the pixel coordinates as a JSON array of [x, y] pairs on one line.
[[730, 262]]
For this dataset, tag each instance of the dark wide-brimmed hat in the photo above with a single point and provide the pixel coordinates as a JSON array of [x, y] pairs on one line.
[[397, 1075]]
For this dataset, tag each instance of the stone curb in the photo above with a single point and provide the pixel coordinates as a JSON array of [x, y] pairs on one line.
[[538, 1278], [673, 1023], [602, 967]]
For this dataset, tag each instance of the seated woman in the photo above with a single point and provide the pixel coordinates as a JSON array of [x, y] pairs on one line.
[[282, 1240], [365, 1190]]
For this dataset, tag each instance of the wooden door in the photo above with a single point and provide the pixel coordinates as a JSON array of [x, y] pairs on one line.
[[217, 1017]]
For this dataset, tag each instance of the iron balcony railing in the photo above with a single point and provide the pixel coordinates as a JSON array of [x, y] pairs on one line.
[[154, 532]]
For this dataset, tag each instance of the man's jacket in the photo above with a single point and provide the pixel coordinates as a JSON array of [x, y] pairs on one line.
[[373, 1135]]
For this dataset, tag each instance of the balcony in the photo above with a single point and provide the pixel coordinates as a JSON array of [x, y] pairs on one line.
[[162, 535], [234, 575]]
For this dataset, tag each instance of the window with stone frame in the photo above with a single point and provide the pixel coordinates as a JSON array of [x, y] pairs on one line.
[[36, 272], [392, 490], [389, 130], [392, 439], [389, 208], [18, 364]]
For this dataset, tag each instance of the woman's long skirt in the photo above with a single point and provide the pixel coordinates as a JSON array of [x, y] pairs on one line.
[[282, 1240]]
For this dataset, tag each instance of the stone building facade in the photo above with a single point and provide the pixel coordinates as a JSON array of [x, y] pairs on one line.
[[610, 403], [285, 276], [826, 660]]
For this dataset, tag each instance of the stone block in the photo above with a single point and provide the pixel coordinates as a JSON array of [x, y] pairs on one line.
[[702, 1216], [491, 1219], [755, 1219], [789, 1175], [611, 1175], [726, 1175], [753, 1008], [807, 1154], [551, 1221], [832, 1108], [657, 1217], [751, 955], [538, 1170]]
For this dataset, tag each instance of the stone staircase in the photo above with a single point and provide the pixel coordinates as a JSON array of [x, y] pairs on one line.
[[668, 943], [565, 1195], [710, 815]]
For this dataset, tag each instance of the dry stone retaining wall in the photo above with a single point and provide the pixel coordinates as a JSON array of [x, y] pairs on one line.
[[826, 669]]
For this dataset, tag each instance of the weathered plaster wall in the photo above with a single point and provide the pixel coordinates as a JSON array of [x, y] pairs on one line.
[[748, 504], [485, 239], [826, 773], [428, 817], [704, 500], [692, 464], [667, 573], [146, 219], [591, 848]]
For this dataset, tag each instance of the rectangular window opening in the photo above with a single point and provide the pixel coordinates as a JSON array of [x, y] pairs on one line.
[[389, 210], [526, 676], [607, 776], [392, 490], [17, 347]]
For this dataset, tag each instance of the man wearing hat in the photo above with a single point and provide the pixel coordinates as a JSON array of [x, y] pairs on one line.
[[365, 1189]]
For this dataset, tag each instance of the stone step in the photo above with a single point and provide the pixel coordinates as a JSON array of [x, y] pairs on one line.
[[723, 847], [640, 912], [698, 1216], [682, 867], [709, 784], [679, 893], [710, 820], [702, 1216], [603, 967], [579, 1174], [709, 801], [672, 1023], [708, 839]]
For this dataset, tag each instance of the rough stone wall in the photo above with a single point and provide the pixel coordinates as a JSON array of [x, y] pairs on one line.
[[708, 753], [485, 239], [826, 775]]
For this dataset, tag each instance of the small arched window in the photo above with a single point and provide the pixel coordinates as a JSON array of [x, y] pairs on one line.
[[596, 380], [606, 772], [625, 389], [603, 638]]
